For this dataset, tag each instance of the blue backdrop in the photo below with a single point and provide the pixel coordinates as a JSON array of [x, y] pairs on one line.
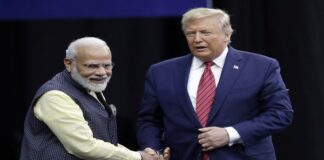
[[48, 9]]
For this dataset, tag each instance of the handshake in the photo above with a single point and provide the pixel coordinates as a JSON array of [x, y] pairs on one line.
[[150, 154]]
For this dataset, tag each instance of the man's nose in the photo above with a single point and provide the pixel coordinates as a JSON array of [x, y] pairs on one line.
[[197, 37], [101, 71]]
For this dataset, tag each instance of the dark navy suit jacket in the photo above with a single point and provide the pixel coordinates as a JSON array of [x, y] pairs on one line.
[[251, 97]]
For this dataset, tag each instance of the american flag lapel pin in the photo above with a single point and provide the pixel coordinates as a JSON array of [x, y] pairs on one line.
[[235, 67]]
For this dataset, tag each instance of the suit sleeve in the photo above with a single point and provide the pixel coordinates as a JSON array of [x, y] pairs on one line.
[[276, 110], [149, 122]]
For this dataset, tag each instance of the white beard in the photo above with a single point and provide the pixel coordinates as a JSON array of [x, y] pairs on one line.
[[86, 83]]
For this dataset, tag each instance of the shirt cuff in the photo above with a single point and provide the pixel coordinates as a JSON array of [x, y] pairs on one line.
[[234, 136], [137, 156]]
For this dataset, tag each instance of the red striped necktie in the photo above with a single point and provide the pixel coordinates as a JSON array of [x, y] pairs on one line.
[[205, 96]]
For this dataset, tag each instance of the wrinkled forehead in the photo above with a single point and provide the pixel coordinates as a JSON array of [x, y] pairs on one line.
[[94, 54]]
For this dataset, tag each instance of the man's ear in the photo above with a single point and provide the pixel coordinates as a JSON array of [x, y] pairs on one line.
[[228, 37], [68, 64]]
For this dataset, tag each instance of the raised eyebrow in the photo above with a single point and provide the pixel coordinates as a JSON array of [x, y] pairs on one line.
[[201, 31], [190, 32], [91, 64], [107, 64], [98, 63]]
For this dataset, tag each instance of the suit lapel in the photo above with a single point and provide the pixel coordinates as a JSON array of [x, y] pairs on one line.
[[232, 68], [181, 74]]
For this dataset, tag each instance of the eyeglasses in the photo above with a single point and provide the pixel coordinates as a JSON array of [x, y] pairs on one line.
[[94, 66]]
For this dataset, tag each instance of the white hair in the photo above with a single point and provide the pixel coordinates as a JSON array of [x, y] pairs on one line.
[[72, 49]]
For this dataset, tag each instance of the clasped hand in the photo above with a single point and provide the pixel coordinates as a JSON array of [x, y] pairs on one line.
[[150, 154]]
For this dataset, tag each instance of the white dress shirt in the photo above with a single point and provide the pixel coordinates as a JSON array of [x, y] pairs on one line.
[[196, 71]]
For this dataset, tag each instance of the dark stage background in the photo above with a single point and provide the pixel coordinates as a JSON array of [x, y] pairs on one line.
[[290, 31]]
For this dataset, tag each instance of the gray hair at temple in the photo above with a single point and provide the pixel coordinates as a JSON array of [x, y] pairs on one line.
[[71, 51], [197, 13]]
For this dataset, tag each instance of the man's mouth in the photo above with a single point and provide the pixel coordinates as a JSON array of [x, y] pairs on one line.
[[98, 80], [200, 48]]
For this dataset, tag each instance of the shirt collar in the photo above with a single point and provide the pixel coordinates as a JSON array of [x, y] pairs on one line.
[[218, 61]]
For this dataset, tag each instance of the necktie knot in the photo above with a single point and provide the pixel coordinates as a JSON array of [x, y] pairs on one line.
[[208, 64]]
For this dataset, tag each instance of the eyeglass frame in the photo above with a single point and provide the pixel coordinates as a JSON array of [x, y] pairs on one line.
[[93, 66]]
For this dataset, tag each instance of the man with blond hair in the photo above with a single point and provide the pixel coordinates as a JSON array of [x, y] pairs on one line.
[[217, 103]]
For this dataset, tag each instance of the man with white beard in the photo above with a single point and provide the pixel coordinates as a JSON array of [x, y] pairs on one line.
[[69, 117]]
